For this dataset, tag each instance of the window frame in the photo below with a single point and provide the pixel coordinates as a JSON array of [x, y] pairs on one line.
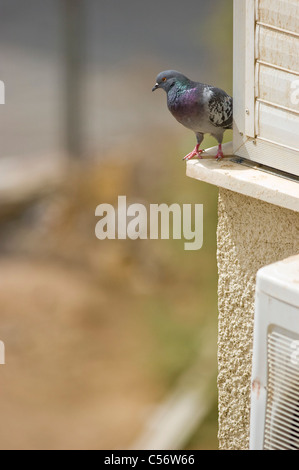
[[246, 143]]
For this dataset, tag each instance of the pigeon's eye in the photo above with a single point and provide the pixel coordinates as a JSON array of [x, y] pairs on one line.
[[164, 79]]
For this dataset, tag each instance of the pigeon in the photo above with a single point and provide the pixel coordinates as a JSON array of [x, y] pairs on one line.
[[202, 108]]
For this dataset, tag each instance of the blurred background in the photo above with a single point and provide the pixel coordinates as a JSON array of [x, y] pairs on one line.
[[109, 344]]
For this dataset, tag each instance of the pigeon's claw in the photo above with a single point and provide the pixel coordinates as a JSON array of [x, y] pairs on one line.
[[219, 153], [195, 153]]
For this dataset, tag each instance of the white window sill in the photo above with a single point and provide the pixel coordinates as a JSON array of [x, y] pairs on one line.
[[243, 179]]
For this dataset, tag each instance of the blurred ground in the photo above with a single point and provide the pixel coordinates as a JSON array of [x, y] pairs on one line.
[[97, 332]]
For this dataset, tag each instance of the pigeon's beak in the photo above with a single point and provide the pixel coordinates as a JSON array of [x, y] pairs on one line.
[[155, 87]]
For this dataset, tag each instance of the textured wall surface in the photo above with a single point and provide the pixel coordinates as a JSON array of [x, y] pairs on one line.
[[251, 234]]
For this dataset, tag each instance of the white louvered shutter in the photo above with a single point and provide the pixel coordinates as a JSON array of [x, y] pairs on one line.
[[266, 82]]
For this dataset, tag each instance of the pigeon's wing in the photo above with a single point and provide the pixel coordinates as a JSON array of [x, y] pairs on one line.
[[220, 108]]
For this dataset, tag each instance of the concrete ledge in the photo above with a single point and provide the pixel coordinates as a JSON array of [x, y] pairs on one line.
[[244, 180]]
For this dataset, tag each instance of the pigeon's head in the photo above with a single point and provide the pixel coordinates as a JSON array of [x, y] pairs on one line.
[[168, 79]]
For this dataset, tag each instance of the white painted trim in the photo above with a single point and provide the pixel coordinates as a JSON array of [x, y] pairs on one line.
[[244, 80], [239, 74], [249, 68]]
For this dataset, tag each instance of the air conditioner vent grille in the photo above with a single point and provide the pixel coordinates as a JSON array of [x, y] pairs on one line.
[[282, 411]]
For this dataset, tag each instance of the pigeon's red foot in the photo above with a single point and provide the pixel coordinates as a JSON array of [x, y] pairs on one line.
[[219, 153], [195, 153]]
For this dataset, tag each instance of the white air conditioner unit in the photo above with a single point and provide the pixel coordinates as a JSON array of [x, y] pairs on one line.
[[274, 423]]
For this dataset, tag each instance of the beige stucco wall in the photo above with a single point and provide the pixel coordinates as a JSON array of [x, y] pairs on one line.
[[251, 234]]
